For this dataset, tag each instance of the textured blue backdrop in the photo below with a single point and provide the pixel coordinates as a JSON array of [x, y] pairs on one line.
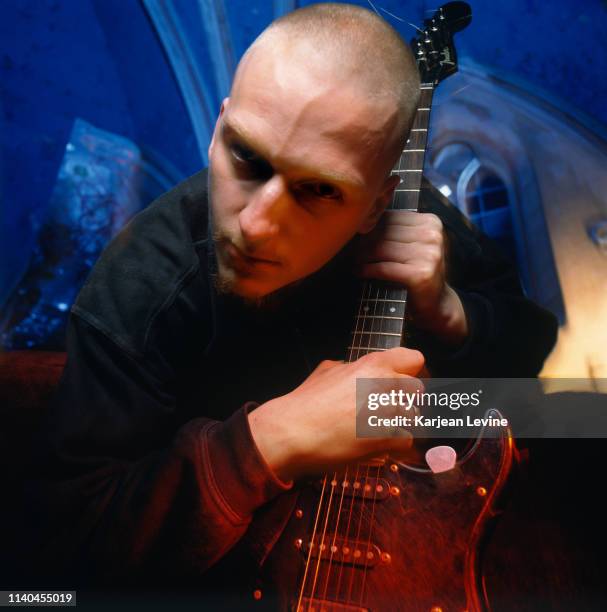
[[155, 71]]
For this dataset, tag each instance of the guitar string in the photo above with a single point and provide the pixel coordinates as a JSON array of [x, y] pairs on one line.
[[346, 537], [345, 482], [388, 293], [318, 513], [368, 549], [309, 556], [333, 548], [355, 348], [321, 544], [342, 489], [366, 480]]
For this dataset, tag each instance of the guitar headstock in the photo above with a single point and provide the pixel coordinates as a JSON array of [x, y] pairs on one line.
[[434, 49]]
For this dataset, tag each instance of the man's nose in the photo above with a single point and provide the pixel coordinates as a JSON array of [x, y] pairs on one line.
[[260, 219]]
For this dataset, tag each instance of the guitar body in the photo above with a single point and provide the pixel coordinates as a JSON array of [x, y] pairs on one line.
[[419, 539]]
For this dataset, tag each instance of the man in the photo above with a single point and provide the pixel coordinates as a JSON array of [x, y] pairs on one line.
[[155, 460]]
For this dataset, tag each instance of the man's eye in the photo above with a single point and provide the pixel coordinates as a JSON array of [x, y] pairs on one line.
[[324, 191], [250, 162], [243, 154]]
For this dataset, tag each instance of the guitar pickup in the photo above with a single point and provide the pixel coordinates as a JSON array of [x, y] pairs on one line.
[[344, 551], [371, 488]]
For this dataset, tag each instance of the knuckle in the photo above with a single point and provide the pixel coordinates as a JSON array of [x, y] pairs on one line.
[[435, 236], [435, 254], [435, 221]]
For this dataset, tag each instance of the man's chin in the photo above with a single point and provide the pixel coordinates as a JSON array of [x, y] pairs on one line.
[[242, 288], [250, 292]]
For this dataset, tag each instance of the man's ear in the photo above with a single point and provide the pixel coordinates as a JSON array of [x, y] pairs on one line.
[[224, 105], [380, 204]]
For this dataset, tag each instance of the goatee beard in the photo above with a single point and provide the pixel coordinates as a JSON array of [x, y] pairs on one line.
[[270, 302]]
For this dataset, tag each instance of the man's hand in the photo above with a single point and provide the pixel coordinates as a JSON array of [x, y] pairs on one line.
[[409, 248], [313, 429]]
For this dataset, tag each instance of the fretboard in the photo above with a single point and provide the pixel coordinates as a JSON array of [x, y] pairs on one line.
[[379, 324]]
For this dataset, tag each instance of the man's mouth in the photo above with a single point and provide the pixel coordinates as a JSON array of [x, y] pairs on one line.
[[238, 255]]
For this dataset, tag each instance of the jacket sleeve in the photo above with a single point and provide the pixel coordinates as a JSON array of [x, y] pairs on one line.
[[116, 493], [510, 336]]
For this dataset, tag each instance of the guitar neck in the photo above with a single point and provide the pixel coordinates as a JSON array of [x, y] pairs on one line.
[[379, 324]]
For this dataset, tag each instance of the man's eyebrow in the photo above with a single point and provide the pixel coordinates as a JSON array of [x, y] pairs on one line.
[[328, 175]]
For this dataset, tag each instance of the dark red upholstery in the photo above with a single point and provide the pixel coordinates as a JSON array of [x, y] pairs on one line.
[[27, 381]]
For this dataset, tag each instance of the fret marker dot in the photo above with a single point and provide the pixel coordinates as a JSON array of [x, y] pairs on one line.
[[366, 308], [392, 309]]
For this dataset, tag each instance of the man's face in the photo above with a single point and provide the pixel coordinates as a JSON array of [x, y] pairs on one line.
[[297, 167]]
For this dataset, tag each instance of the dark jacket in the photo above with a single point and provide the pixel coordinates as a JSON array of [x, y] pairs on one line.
[[147, 466]]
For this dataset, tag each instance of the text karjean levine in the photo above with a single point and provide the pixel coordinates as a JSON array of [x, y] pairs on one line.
[[435, 422]]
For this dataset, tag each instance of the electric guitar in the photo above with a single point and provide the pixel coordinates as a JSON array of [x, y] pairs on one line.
[[385, 536]]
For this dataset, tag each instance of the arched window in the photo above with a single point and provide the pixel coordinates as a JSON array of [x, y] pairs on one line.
[[478, 191]]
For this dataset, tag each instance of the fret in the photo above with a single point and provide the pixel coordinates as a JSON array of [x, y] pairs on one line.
[[384, 300], [411, 181], [404, 200], [420, 122], [411, 158], [366, 348], [379, 333], [419, 129], [408, 170], [375, 344], [416, 140], [387, 328], [425, 96], [427, 108], [379, 317], [380, 308]]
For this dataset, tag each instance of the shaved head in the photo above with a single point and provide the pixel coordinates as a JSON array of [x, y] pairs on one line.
[[355, 46], [303, 149]]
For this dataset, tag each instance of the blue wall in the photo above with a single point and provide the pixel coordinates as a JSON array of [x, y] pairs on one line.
[[121, 66]]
